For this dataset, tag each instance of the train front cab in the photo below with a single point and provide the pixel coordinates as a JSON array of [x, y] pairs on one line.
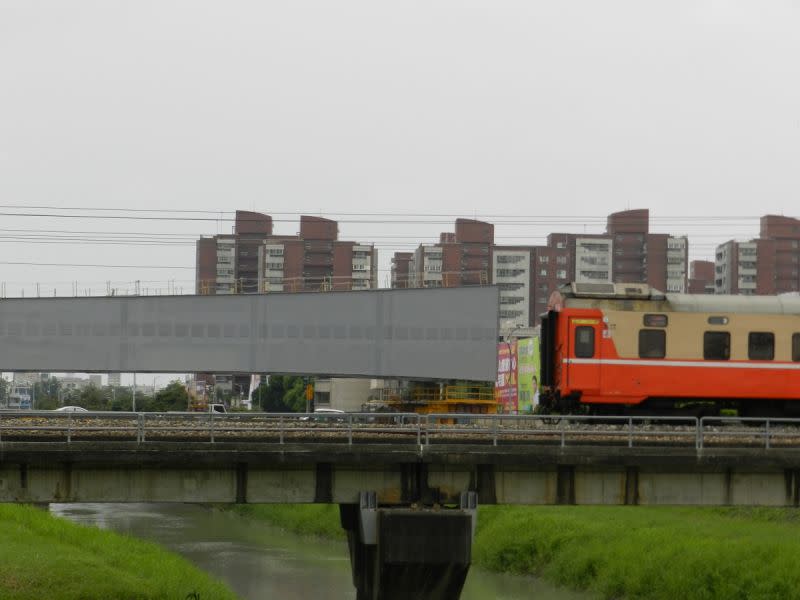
[[571, 353]]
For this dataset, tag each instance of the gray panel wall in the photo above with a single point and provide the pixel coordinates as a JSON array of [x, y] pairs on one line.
[[430, 333]]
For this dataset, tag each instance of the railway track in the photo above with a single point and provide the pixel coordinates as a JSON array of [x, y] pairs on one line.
[[412, 429]]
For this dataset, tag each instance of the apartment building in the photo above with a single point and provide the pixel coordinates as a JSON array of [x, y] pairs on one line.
[[253, 259], [701, 277], [511, 272], [626, 253], [401, 264], [765, 265], [528, 275], [228, 263]]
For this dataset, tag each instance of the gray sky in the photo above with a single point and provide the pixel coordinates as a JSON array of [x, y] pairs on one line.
[[543, 110]]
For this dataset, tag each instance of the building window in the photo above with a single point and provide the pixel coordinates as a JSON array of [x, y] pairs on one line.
[[543, 272], [652, 343], [561, 274], [584, 341], [716, 345], [544, 259], [760, 345]]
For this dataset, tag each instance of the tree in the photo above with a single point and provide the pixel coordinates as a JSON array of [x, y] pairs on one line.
[[92, 398], [282, 393], [172, 397]]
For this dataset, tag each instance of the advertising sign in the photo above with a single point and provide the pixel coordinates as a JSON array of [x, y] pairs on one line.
[[528, 377], [505, 390]]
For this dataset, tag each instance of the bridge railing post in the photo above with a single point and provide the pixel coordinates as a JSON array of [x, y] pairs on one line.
[[140, 434], [69, 428], [630, 432], [211, 426], [700, 425], [563, 427], [349, 430], [494, 431], [766, 434], [280, 429], [427, 430]]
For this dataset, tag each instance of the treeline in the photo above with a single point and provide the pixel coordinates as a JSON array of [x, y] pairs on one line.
[[282, 393]]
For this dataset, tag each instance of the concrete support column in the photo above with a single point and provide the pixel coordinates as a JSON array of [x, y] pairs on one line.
[[401, 553]]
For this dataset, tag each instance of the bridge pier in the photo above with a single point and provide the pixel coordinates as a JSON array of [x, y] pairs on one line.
[[400, 552]]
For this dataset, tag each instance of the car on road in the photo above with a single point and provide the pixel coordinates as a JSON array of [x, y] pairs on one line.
[[71, 409], [330, 415]]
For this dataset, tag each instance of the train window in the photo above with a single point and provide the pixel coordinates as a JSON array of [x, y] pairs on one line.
[[584, 342], [760, 345], [652, 343], [716, 345], [655, 320], [717, 320], [796, 347]]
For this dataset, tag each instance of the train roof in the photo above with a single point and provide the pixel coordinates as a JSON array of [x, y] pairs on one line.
[[624, 293], [787, 305]]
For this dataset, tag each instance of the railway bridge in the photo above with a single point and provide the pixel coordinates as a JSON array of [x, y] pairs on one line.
[[407, 485]]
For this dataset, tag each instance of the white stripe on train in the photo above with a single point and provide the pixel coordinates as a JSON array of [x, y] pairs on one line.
[[681, 363]]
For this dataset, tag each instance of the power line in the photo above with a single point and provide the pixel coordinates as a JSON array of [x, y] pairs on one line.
[[571, 218], [41, 264]]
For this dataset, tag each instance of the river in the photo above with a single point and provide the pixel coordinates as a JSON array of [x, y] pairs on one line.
[[260, 561]]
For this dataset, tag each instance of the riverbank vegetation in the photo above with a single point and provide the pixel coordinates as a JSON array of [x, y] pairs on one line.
[[43, 556], [306, 519], [621, 552]]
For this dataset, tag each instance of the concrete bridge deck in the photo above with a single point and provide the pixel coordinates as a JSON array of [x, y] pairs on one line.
[[405, 459]]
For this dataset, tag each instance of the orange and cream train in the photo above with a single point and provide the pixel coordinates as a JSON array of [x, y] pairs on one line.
[[616, 348]]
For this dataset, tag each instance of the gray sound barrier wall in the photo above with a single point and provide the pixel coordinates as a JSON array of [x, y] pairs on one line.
[[419, 333]]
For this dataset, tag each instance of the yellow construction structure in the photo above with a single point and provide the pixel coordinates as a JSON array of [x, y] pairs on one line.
[[439, 398]]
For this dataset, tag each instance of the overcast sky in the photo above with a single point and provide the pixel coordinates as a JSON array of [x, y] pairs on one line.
[[525, 111]]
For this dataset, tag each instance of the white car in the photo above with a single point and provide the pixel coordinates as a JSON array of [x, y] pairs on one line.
[[323, 415], [71, 409]]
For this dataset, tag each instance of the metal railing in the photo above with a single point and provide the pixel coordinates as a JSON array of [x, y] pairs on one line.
[[400, 428]]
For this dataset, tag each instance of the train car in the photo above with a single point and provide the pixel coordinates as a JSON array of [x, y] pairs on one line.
[[620, 348]]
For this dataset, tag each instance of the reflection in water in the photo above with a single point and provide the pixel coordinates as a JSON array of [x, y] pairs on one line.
[[262, 562]]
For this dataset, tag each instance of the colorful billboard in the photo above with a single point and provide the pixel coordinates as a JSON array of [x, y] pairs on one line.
[[528, 374], [505, 389]]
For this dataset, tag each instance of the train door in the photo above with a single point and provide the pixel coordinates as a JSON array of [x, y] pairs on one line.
[[584, 355]]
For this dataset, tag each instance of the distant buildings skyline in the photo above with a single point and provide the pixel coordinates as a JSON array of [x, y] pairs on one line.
[[252, 259]]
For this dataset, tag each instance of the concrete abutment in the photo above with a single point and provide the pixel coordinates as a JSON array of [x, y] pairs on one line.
[[409, 552]]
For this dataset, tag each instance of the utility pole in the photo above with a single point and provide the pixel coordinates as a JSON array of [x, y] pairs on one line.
[[134, 392]]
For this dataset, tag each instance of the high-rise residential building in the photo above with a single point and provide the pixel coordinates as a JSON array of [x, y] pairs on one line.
[[511, 272], [528, 275], [401, 263], [461, 257], [228, 263], [701, 277], [766, 265], [114, 379], [253, 259], [626, 253]]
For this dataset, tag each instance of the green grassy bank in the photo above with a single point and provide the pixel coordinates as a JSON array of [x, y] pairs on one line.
[[621, 552], [42, 556]]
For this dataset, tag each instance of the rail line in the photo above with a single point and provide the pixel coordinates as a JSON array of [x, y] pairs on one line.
[[402, 428]]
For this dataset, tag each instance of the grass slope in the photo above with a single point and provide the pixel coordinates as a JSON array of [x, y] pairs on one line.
[[641, 552], [42, 556], [620, 552]]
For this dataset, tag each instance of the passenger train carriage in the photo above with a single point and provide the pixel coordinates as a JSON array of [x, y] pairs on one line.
[[616, 347]]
